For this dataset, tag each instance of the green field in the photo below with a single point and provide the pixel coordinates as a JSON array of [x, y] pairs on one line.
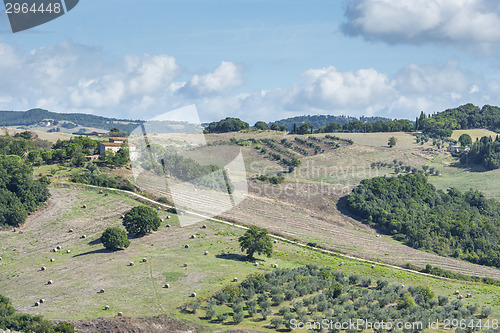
[[138, 290]]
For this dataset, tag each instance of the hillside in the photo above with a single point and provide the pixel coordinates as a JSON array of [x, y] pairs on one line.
[[35, 116]]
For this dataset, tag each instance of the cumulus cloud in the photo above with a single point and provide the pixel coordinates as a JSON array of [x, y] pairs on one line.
[[467, 22], [228, 75], [73, 78]]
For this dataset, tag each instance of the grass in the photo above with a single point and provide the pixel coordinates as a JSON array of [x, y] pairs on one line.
[[474, 133], [138, 290]]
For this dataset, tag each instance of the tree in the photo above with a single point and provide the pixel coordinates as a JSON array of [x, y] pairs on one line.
[[406, 301], [141, 220], [115, 238], [256, 240], [260, 125], [465, 140], [392, 141]]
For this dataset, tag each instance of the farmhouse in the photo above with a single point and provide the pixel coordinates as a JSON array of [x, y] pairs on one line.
[[113, 144]]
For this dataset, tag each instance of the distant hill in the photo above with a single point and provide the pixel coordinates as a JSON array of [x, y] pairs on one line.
[[322, 120], [470, 116], [35, 116]]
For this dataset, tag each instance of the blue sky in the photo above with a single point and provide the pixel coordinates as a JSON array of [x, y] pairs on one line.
[[255, 59]]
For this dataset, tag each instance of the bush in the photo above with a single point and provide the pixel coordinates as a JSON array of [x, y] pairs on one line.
[[115, 238], [141, 220]]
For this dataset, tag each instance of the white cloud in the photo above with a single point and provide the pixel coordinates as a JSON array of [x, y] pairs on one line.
[[228, 75], [73, 78], [467, 22]]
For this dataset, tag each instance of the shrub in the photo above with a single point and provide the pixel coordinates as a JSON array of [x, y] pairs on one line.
[[115, 238]]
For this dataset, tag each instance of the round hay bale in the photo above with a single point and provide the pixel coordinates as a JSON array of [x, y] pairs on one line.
[[70, 230], [457, 292], [120, 314], [223, 254], [402, 286], [162, 220], [106, 307], [168, 225], [275, 241], [469, 296], [83, 237], [54, 250], [68, 251], [144, 260], [101, 191], [43, 268], [101, 291], [52, 260], [378, 235], [37, 303], [122, 216], [256, 264], [58, 247], [206, 253], [169, 217], [461, 297], [50, 282], [0, 258], [204, 226], [181, 213], [159, 208], [193, 236], [106, 194], [186, 246], [131, 263], [275, 266], [167, 285], [84, 206], [235, 279], [193, 294], [373, 266], [42, 301], [21, 232], [185, 265], [342, 263]]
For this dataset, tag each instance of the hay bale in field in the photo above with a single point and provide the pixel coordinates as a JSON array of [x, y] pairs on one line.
[[169, 217], [122, 216], [50, 282], [0, 258], [457, 292], [70, 230], [186, 246], [193, 236], [275, 241], [168, 225], [106, 194], [469, 296], [101, 191], [120, 314], [206, 253], [402, 286], [235, 279], [21, 232], [106, 307], [256, 264], [52, 260], [162, 220], [43, 268], [131, 263], [83, 237], [101, 291], [159, 208], [68, 251], [58, 247], [373, 266], [461, 297], [342, 263], [166, 285], [144, 260], [84, 206], [185, 265], [204, 226], [275, 266], [54, 250], [42, 301], [193, 294], [37, 303], [223, 254]]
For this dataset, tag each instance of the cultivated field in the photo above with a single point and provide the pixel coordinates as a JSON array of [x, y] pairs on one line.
[[137, 290]]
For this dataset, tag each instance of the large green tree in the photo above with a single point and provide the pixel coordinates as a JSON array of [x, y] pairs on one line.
[[141, 219], [256, 240], [465, 140], [115, 238]]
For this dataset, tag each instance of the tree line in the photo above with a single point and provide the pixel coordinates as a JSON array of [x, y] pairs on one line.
[[464, 225], [485, 152]]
